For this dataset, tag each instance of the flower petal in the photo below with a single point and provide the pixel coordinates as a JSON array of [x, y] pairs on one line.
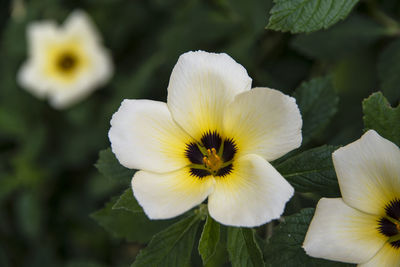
[[387, 256], [265, 122], [164, 196], [80, 24], [144, 136], [201, 86], [31, 80], [340, 233], [252, 194], [368, 171]]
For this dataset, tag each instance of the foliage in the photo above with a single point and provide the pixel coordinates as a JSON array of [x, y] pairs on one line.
[[380, 116], [317, 101], [209, 239], [312, 172], [57, 209], [308, 15], [284, 248]]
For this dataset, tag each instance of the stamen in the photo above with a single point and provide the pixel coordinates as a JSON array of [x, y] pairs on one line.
[[212, 161], [397, 226]]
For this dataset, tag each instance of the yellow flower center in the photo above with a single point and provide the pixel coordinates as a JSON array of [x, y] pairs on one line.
[[213, 155], [67, 62], [212, 161]]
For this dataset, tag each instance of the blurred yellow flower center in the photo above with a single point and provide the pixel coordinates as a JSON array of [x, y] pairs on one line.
[[212, 161], [67, 61]]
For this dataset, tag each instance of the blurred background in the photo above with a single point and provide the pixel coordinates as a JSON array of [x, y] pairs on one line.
[[49, 185]]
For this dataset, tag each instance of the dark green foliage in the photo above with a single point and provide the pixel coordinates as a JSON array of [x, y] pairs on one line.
[[243, 248], [109, 166], [284, 248], [389, 68], [127, 202], [380, 116], [209, 239], [317, 102], [128, 225], [312, 171], [355, 33], [171, 247], [308, 15]]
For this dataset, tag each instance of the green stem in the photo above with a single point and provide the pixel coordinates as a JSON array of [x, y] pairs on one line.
[[394, 221], [392, 26], [394, 238]]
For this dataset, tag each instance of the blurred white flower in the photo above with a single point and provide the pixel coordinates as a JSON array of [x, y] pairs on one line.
[[66, 63], [363, 227], [213, 138]]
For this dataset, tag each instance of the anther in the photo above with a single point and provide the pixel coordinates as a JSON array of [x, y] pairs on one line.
[[212, 161], [397, 226]]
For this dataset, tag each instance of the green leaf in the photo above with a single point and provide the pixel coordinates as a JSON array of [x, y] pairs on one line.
[[125, 224], [109, 166], [127, 202], [312, 171], [209, 239], [318, 102], [380, 116], [171, 247], [242, 248], [388, 70], [355, 33], [308, 15], [284, 248]]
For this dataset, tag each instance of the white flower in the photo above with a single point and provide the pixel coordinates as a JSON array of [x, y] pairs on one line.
[[66, 63], [213, 138], [364, 226]]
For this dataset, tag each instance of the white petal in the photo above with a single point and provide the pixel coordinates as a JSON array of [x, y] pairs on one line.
[[144, 136], [253, 194], [164, 196], [368, 171], [201, 86], [340, 233], [29, 79], [388, 256], [39, 34], [80, 24], [265, 122]]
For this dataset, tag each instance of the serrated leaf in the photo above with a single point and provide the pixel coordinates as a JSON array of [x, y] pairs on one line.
[[318, 102], [312, 171], [243, 249], [171, 247], [127, 202], [125, 224], [308, 15], [380, 116], [209, 239], [284, 248], [353, 34], [108, 165], [388, 70]]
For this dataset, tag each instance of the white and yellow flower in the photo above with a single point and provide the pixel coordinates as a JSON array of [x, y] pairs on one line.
[[363, 227], [66, 63], [213, 138]]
